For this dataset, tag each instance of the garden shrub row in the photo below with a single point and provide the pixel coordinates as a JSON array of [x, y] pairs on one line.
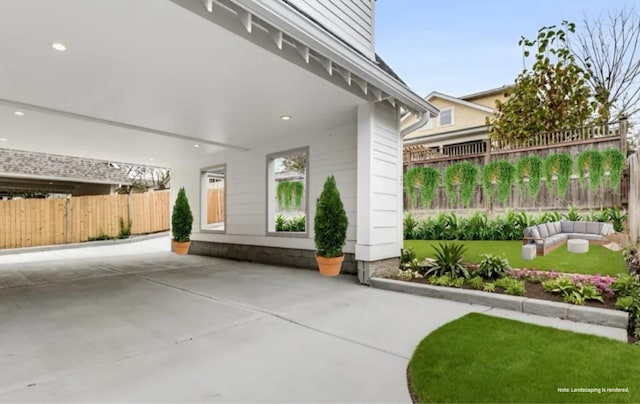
[[494, 273], [593, 168], [292, 224], [510, 226]]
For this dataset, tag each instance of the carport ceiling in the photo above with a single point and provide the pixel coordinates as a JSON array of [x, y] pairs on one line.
[[153, 64]]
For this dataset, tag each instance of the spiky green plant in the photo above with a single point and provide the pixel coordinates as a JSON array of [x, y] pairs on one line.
[[448, 261], [410, 225]]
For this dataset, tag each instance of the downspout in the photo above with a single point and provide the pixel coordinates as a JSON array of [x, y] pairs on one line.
[[424, 118]]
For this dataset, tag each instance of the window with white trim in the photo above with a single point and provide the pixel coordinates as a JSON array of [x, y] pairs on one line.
[[445, 118], [287, 181], [213, 197]]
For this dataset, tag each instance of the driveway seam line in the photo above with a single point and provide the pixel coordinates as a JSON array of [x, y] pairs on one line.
[[271, 314]]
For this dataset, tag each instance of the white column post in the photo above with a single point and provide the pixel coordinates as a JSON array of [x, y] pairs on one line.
[[379, 207]]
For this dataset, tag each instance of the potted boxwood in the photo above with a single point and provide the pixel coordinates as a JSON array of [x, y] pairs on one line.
[[181, 223], [330, 229]]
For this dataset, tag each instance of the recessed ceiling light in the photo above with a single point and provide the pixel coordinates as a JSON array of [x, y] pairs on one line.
[[151, 159], [59, 46], [285, 117], [3, 139], [19, 113], [196, 145]]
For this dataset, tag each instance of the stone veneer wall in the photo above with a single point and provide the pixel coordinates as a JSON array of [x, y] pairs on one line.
[[290, 257], [53, 165]]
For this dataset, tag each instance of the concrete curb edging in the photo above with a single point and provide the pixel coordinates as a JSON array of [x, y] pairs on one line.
[[581, 314], [132, 239]]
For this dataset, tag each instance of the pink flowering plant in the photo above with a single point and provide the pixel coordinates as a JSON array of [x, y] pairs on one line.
[[533, 275], [603, 284]]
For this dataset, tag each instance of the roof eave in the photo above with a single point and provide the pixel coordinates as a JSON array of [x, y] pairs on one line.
[[297, 26]]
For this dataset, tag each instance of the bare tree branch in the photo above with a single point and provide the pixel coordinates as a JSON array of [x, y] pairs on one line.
[[607, 48]]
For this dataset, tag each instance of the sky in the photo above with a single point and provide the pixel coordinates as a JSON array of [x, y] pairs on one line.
[[460, 47]]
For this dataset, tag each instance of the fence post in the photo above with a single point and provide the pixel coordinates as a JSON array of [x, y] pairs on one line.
[[487, 160], [68, 224], [129, 219], [624, 127]]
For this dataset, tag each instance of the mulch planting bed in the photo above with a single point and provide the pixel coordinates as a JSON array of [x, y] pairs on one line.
[[535, 291]]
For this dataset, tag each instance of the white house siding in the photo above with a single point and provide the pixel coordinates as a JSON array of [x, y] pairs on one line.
[[331, 152], [351, 20], [379, 183]]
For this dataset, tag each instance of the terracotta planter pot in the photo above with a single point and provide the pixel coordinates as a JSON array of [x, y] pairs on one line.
[[330, 266], [181, 248]]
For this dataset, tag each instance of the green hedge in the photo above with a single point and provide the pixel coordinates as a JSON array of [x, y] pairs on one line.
[[510, 226]]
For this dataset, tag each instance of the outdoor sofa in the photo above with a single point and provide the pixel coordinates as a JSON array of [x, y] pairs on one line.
[[549, 236]]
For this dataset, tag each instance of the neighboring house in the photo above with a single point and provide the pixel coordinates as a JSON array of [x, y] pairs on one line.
[[24, 171], [221, 89], [462, 120]]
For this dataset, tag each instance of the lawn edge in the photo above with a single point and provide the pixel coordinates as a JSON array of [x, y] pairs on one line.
[[412, 394], [580, 314]]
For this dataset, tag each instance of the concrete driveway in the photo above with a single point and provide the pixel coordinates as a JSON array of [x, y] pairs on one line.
[[166, 328]]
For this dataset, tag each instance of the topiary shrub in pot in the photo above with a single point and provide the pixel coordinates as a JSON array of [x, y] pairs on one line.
[[181, 223], [330, 228]]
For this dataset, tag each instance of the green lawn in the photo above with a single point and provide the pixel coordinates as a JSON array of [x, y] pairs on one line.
[[478, 358], [598, 260]]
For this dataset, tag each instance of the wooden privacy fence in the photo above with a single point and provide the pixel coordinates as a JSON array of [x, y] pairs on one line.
[[577, 196], [37, 222], [634, 197], [612, 135], [215, 206]]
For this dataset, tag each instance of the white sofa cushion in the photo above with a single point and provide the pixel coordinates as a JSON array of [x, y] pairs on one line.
[[593, 228], [551, 228], [585, 236], [607, 228], [567, 226], [535, 233], [579, 227], [542, 228]]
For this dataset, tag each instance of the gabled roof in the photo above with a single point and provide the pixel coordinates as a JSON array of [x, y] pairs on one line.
[[485, 93], [460, 101]]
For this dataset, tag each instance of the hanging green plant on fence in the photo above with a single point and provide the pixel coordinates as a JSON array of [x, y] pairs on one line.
[[506, 172], [282, 193], [464, 175], [559, 166], [529, 168], [289, 194], [489, 176], [451, 180], [429, 181], [411, 182], [296, 192], [590, 162], [614, 163]]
